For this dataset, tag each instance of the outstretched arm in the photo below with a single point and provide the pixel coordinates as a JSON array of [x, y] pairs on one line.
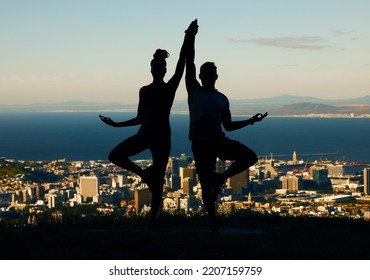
[[109, 121], [231, 125], [131, 122], [190, 75]]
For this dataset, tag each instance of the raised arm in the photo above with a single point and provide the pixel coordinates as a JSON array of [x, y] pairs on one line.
[[231, 125], [190, 75], [179, 71], [174, 82]]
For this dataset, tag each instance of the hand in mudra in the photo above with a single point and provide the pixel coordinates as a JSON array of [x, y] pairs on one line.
[[259, 117], [107, 120]]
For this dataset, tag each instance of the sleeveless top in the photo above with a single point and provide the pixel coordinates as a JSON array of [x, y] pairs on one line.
[[157, 102]]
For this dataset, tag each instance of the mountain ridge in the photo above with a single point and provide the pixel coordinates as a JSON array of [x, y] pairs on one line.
[[279, 105]]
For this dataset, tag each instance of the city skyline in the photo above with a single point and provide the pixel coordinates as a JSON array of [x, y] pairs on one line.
[[96, 51], [275, 206]]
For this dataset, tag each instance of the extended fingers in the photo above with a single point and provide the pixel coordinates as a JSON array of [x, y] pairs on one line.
[[105, 119]]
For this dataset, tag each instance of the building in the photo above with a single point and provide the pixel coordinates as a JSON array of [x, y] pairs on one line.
[[239, 182], [335, 198], [173, 166], [17, 197], [40, 191], [142, 198], [367, 181], [294, 157], [320, 176], [187, 173], [175, 182], [89, 187], [120, 180], [187, 186], [55, 200], [335, 170], [291, 183]]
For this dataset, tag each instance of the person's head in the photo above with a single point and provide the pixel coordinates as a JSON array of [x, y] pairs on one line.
[[208, 74], [158, 64]]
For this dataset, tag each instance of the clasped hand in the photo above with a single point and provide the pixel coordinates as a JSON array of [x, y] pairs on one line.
[[193, 28]]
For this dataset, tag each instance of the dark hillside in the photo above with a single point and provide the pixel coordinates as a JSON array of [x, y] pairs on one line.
[[244, 236]]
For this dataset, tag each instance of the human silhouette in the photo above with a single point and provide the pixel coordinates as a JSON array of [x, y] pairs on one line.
[[209, 111], [155, 102]]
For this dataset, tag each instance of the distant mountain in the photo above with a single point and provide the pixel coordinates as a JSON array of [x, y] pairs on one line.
[[307, 108], [301, 105], [291, 99], [279, 105], [357, 100], [79, 106], [314, 108], [279, 100], [251, 106]]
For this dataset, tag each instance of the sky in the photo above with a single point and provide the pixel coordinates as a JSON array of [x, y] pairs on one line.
[[100, 50]]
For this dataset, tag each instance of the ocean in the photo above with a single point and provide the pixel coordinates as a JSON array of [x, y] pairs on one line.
[[83, 136]]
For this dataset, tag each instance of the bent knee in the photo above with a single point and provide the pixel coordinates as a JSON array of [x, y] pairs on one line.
[[113, 157], [253, 159], [249, 159]]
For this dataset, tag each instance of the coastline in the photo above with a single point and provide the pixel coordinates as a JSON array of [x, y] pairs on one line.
[[182, 112]]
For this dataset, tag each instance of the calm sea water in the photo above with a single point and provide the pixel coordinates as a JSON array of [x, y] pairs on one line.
[[82, 136]]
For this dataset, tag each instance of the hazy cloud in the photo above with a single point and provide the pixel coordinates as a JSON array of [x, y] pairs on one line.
[[287, 65], [341, 32], [304, 42]]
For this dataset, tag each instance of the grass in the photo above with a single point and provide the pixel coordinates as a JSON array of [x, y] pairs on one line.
[[253, 237]]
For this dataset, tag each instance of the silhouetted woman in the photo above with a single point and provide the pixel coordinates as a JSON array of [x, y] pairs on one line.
[[155, 102]]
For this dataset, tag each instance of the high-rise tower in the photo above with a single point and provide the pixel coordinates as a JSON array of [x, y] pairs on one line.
[[187, 173], [367, 181], [89, 187], [294, 157], [239, 182]]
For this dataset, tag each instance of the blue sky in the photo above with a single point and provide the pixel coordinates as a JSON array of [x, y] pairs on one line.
[[55, 51]]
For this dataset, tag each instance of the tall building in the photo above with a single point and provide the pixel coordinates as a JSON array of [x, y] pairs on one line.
[[187, 173], [239, 182], [89, 187], [55, 201], [367, 181], [120, 180], [294, 156], [173, 166], [40, 191], [291, 183], [320, 176], [187, 187], [142, 197], [26, 196], [175, 182], [17, 197]]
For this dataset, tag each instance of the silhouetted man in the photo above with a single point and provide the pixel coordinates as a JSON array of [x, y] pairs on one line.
[[209, 111]]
